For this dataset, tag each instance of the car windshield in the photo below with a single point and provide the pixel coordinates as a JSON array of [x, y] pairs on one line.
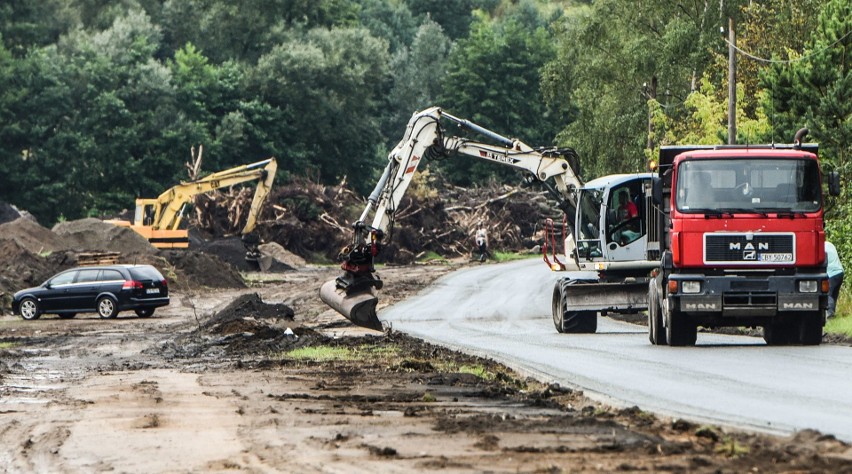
[[145, 273], [754, 185]]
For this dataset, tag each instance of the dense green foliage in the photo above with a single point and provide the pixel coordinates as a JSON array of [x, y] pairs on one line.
[[102, 101]]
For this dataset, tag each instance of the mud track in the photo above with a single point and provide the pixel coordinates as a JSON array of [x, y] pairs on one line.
[[264, 379]]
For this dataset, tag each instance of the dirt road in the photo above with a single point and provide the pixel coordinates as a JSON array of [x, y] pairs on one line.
[[252, 387]]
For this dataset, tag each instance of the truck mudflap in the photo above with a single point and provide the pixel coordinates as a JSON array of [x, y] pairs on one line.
[[619, 297]]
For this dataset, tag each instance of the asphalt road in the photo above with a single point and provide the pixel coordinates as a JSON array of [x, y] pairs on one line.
[[503, 312]]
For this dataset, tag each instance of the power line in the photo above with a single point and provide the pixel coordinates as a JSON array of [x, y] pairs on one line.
[[787, 61]]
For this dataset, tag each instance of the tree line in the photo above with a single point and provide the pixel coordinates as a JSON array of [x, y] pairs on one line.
[[103, 100]]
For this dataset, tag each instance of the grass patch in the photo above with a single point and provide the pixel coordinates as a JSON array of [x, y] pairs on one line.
[[839, 324], [478, 371], [432, 257], [320, 353], [330, 353], [7, 345], [500, 257]]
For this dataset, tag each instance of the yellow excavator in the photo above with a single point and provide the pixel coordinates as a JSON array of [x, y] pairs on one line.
[[159, 219]]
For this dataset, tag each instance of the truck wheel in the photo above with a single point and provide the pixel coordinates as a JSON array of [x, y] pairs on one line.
[[556, 308], [580, 322], [656, 331], [680, 330], [567, 321], [810, 329]]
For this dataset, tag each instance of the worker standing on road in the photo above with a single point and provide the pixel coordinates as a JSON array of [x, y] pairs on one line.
[[835, 277], [482, 243]]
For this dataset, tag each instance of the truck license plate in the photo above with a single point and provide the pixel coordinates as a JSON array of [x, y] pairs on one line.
[[152, 291], [776, 257]]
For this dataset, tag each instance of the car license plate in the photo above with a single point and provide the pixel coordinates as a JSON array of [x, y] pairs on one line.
[[152, 291]]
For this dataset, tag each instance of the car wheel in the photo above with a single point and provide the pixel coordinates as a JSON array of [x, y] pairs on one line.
[[30, 309], [67, 315], [107, 307], [681, 331], [144, 312]]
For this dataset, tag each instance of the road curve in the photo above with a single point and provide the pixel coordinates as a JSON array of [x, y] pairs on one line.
[[503, 312]]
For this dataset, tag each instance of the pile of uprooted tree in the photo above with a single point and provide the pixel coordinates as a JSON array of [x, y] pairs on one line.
[[314, 221]]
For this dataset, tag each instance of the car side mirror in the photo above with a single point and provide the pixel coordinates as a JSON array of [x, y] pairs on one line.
[[47, 285], [834, 183]]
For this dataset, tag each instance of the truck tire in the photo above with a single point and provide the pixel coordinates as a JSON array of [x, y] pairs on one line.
[[568, 321], [556, 308], [779, 333], [810, 329], [680, 331], [656, 331]]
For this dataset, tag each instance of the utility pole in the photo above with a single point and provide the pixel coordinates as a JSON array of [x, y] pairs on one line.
[[732, 84]]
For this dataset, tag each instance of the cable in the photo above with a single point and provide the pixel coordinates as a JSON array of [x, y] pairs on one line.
[[787, 61]]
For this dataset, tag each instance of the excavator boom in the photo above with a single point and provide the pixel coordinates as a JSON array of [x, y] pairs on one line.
[[159, 219], [354, 293]]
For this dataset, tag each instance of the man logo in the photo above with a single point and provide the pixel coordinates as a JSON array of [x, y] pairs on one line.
[[700, 306], [750, 255], [798, 306]]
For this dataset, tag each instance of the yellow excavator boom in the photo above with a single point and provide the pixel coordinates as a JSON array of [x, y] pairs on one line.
[[159, 219]]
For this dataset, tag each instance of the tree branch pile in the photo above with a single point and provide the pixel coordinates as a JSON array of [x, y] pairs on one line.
[[315, 221]]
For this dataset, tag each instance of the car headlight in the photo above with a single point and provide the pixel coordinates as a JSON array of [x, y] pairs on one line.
[[690, 286], [808, 286]]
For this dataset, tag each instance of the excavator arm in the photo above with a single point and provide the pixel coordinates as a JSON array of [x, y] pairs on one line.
[[159, 219], [354, 293], [168, 207]]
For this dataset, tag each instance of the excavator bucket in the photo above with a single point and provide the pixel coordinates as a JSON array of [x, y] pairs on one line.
[[358, 307]]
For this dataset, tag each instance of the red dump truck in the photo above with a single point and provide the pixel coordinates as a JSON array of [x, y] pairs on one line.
[[741, 242]]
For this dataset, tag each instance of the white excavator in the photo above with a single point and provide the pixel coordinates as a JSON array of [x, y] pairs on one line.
[[607, 259]]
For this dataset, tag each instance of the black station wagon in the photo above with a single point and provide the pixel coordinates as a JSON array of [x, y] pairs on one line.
[[105, 290]]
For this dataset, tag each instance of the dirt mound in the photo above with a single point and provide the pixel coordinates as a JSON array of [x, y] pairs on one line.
[[249, 306], [32, 236], [246, 326], [20, 268], [98, 236], [8, 212], [274, 258], [195, 269]]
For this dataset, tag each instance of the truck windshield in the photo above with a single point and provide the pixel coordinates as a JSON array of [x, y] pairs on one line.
[[588, 233], [748, 185]]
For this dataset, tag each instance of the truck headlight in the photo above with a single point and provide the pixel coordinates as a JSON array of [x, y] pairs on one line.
[[690, 286], [808, 286]]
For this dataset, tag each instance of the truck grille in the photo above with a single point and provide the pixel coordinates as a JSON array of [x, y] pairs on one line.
[[752, 249]]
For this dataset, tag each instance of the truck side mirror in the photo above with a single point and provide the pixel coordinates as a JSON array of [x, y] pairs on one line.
[[834, 183], [657, 192]]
